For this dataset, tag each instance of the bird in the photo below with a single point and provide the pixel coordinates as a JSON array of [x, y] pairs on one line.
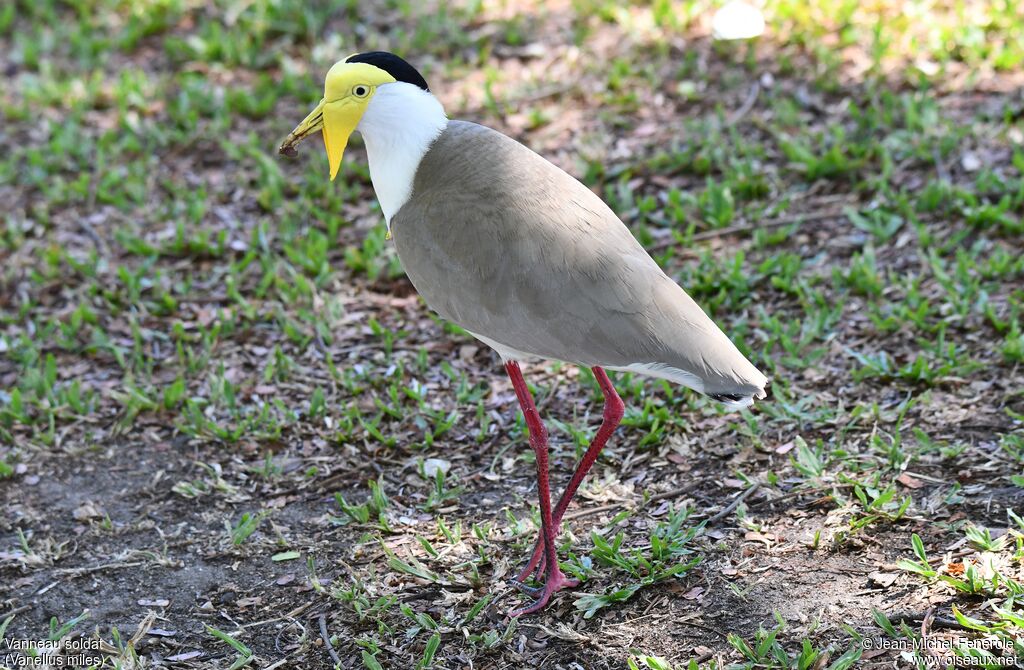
[[528, 260]]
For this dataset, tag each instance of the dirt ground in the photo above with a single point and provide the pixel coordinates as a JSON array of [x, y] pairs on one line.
[[224, 410]]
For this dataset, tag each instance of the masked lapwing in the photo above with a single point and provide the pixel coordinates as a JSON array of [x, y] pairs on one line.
[[523, 256]]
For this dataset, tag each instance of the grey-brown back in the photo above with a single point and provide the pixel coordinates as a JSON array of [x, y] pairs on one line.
[[508, 246]]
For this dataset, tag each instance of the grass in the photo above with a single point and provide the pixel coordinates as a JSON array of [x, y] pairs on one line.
[[216, 349]]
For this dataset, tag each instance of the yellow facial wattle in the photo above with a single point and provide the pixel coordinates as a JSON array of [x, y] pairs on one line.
[[348, 89], [340, 119]]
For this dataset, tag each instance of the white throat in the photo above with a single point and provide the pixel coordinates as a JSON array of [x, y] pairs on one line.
[[399, 125]]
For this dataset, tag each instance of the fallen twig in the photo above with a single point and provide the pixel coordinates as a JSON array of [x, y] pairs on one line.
[[747, 105], [935, 622], [811, 491], [591, 510], [79, 572], [16, 610], [709, 629], [728, 509], [327, 640]]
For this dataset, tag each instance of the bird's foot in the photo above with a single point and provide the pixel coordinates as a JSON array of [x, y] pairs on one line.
[[554, 582]]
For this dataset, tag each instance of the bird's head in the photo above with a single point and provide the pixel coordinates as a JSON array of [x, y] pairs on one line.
[[348, 89]]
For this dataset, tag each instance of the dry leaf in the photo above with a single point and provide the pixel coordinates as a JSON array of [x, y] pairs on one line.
[[87, 510], [883, 579], [909, 481]]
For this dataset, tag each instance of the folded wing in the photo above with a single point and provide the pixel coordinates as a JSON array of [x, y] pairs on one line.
[[505, 244]]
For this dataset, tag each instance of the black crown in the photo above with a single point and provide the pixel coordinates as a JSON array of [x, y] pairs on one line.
[[391, 64]]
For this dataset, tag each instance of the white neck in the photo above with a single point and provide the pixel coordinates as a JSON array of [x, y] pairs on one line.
[[399, 125]]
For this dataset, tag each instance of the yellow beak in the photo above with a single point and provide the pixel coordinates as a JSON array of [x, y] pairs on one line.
[[337, 120]]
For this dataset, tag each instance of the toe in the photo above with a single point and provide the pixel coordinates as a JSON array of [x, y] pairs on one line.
[[532, 591], [553, 583], [535, 606]]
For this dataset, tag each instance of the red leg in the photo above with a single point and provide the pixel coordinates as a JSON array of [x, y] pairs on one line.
[[614, 409], [554, 580]]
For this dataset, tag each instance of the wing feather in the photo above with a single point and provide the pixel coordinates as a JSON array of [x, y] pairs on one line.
[[505, 244]]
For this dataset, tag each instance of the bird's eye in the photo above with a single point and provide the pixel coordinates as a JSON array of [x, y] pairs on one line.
[[361, 91]]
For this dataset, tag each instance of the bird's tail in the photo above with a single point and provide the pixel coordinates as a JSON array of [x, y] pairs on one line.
[[735, 391], [740, 400]]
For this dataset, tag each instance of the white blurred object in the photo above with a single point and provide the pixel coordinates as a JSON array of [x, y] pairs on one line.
[[432, 466], [737, 21]]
